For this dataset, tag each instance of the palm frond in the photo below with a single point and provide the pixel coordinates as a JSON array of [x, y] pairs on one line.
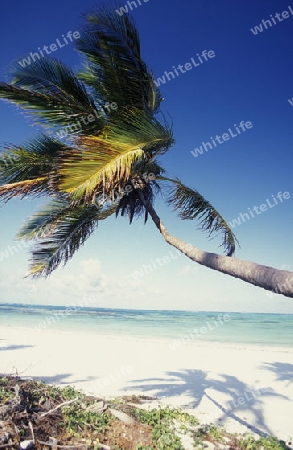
[[34, 159], [106, 162], [26, 170], [69, 231], [115, 70], [53, 94], [192, 205], [144, 168], [42, 223], [138, 128], [130, 204], [35, 187], [97, 167], [48, 76]]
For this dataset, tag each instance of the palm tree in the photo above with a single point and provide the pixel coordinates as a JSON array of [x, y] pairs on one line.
[[110, 165]]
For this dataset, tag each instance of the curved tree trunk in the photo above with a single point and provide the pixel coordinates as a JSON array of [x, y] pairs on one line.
[[274, 280]]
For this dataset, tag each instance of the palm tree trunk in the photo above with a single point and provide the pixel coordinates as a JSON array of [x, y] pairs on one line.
[[268, 278]]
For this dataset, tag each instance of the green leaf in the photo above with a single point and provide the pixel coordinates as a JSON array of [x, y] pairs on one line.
[[98, 168], [53, 94], [130, 204], [114, 69], [42, 223], [69, 230], [34, 187], [26, 170], [140, 129], [33, 160], [192, 205]]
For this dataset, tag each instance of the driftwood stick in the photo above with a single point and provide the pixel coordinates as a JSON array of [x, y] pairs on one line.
[[59, 406], [73, 447], [3, 447], [32, 431]]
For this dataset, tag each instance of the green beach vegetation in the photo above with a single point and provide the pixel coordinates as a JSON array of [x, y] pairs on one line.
[[101, 169], [45, 416]]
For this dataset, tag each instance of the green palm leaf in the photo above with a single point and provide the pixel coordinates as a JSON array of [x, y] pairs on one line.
[[115, 69], [34, 187], [131, 205], [35, 159], [140, 129], [60, 233], [147, 169], [106, 162], [51, 92], [143, 177], [48, 76], [192, 205], [42, 223], [26, 170], [97, 168]]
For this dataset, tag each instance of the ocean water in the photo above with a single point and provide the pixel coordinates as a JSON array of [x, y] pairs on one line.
[[178, 326]]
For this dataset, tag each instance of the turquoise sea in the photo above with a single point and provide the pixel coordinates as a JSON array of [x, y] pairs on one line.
[[233, 328]]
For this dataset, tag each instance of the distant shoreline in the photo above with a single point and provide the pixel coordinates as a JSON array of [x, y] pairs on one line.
[[29, 305], [178, 327]]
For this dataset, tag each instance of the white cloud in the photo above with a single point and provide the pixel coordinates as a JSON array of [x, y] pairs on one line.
[[73, 284], [85, 279], [62, 287]]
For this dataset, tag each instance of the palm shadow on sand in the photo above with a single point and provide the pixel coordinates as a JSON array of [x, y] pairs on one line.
[[283, 371], [14, 347], [60, 379], [195, 383]]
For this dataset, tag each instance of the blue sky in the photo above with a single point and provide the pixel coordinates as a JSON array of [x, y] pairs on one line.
[[249, 79]]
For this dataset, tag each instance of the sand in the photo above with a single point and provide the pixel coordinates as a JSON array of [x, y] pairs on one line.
[[244, 388]]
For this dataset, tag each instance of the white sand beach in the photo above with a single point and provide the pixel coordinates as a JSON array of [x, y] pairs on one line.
[[245, 389]]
